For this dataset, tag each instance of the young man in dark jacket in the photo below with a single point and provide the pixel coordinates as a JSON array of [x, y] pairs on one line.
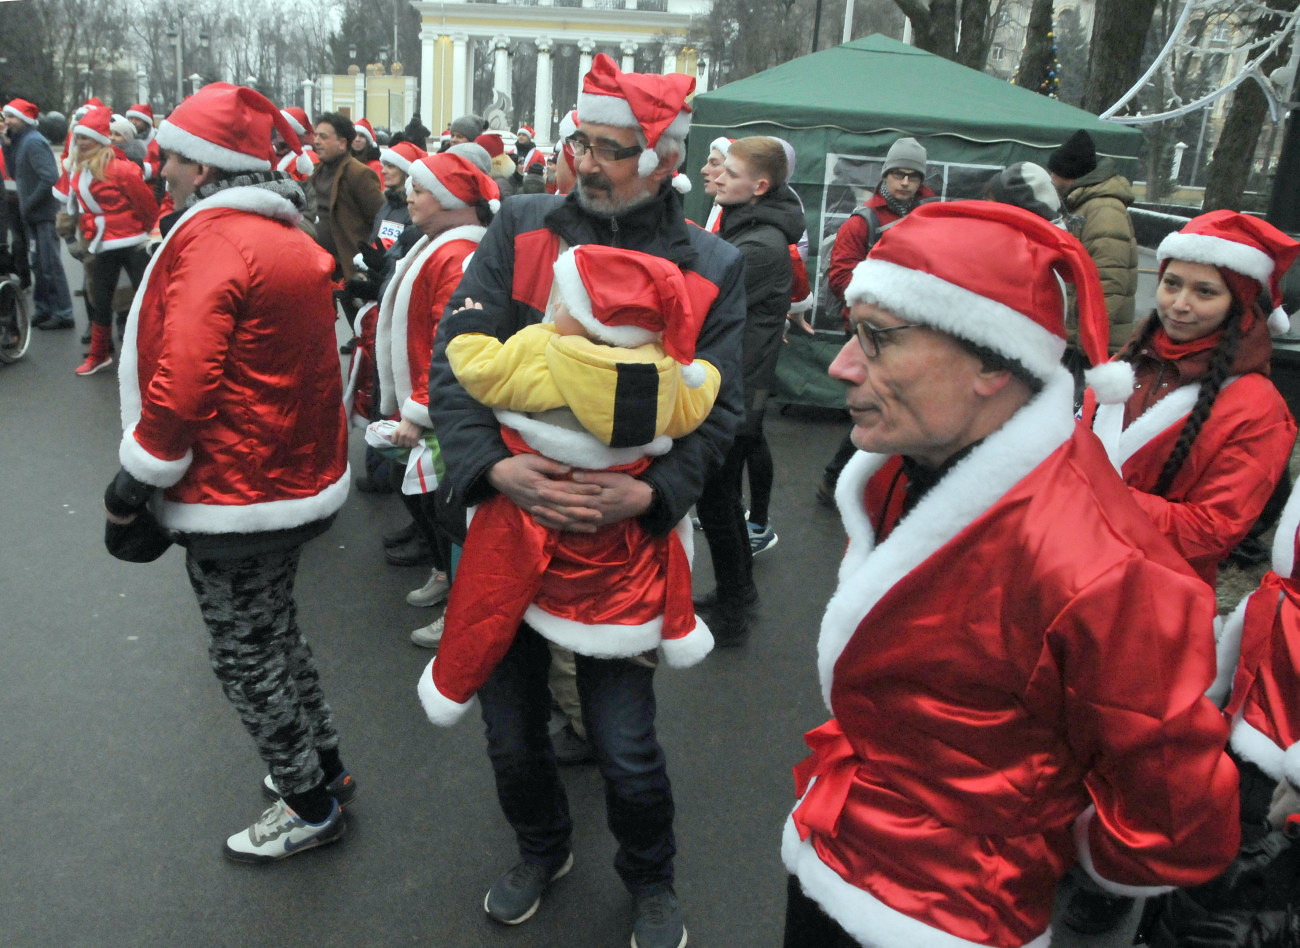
[[34, 170], [761, 217], [622, 199]]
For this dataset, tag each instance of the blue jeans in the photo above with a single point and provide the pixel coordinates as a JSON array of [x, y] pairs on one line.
[[618, 708], [50, 293]]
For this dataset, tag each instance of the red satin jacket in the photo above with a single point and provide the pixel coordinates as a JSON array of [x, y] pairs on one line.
[[1016, 674]]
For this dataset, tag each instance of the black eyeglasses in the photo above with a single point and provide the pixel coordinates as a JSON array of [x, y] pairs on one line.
[[901, 175], [871, 338], [602, 151]]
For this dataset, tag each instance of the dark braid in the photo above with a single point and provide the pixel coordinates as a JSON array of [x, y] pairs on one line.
[[1211, 384], [1139, 339]]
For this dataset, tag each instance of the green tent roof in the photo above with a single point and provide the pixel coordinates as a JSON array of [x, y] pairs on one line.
[[878, 85]]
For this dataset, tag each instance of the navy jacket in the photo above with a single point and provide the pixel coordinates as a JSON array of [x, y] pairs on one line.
[[35, 172]]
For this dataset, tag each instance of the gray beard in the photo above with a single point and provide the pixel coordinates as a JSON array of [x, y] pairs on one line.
[[607, 207]]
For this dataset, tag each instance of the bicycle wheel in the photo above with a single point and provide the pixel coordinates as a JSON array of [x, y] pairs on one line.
[[15, 323]]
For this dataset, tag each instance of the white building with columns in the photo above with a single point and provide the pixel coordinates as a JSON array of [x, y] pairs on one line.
[[627, 29]]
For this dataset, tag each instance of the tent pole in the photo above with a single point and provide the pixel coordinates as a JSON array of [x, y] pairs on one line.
[[817, 24], [848, 21]]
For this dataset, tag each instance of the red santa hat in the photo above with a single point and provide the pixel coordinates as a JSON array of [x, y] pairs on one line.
[[91, 103], [141, 111], [526, 130], [535, 162], [402, 155], [362, 127], [298, 121], [24, 110], [654, 105], [454, 180], [492, 143], [1243, 244], [990, 274], [228, 127], [627, 298], [95, 125]]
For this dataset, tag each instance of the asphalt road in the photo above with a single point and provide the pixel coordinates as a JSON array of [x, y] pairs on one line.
[[126, 768]]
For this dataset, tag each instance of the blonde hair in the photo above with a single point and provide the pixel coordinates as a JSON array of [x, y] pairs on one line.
[[96, 162], [764, 157]]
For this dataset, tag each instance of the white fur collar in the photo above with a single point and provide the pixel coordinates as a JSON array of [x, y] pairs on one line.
[[1122, 443], [390, 331], [579, 448], [973, 485]]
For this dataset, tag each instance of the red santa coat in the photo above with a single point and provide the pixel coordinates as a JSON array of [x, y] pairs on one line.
[[1234, 465], [289, 162], [408, 318], [994, 708], [851, 248], [153, 160], [118, 211], [229, 382], [1259, 656]]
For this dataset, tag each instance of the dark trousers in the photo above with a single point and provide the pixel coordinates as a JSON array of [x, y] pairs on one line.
[[762, 474], [109, 265], [807, 926], [722, 515], [618, 708], [50, 294], [843, 454], [22, 262]]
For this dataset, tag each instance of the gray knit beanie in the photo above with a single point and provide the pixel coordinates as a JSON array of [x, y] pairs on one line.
[[906, 153], [475, 154], [471, 126]]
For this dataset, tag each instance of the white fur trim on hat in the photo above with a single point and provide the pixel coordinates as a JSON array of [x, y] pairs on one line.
[[1279, 323], [293, 122], [721, 143], [1111, 382], [174, 138], [86, 132], [134, 114], [441, 710], [10, 110], [931, 300], [390, 156], [1217, 252], [574, 294], [615, 110], [421, 174]]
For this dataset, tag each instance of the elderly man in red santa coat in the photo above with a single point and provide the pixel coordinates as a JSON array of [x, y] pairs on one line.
[[235, 441], [1015, 658]]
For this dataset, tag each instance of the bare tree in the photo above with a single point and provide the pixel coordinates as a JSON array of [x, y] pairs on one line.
[[936, 28], [1119, 30]]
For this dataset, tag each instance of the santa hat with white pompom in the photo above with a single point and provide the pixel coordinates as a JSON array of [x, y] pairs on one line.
[[654, 105], [627, 298], [1243, 244], [992, 274]]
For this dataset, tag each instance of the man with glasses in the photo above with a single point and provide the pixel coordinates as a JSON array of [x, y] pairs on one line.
[[901, 190], [1014, 659], [630, 138]]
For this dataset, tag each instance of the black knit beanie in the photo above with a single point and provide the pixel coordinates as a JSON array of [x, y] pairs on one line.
[[1074, 159]]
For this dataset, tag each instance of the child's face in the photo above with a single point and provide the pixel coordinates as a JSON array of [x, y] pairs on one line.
[[566, 324]]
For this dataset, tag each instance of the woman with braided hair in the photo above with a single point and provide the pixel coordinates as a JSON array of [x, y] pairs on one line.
[[1204, 437]]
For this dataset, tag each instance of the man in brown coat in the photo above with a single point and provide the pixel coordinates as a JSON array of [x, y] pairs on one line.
[[347, 192]]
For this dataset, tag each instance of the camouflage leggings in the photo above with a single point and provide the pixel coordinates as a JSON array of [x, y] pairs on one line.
[[264, 664]]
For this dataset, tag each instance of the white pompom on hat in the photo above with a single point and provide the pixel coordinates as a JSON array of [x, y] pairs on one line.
[[454, 181], [654, 104], [228, 127], [991, 274], [1243, 244], [627, 298]]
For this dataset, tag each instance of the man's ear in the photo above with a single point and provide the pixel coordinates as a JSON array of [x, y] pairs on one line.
[[663, 170], [205, 176], [763, 186], [990, 381]]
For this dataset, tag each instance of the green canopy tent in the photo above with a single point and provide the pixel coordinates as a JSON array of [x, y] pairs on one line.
[[841, 109]]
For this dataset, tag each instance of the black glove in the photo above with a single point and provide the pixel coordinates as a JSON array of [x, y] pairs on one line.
[[142, 540], [363, 286], [375, 256], [1244, 929], [125, 495]]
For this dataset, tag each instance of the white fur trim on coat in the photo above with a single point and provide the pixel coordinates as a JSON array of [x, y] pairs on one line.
[[174, 138], [578, 448], [253, 518], [1122, 443], [143, 466], [1217, 252], [970, 488], [858, 912], [1084, 848], [922, 297], [573, 292], [251, 199], [416, 413], [440, 709], [691, 648], [391, 327], [1227, 653], [1253, 745], [597, 641]]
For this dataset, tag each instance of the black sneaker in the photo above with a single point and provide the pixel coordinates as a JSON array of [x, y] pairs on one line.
[[401, 536], [514, 897], [658, 921], [747, 600]]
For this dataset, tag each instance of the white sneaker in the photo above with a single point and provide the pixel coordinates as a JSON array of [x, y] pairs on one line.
[[280, 832], [432, 592], [428, 636]]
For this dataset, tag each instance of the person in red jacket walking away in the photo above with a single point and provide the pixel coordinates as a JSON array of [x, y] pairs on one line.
[[116, 210], [994, 715], [235, 441]]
